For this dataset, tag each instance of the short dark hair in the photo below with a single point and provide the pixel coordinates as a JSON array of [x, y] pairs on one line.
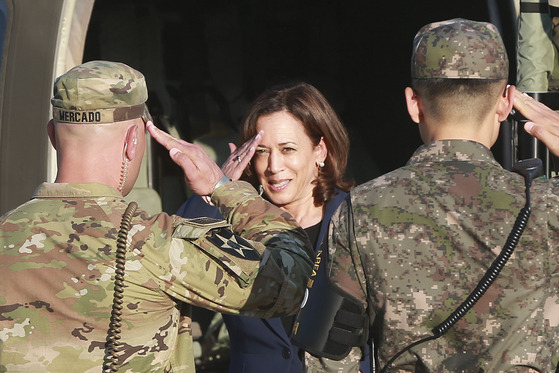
[[474, 97]]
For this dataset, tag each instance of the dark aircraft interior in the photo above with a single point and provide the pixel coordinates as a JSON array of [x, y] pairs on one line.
[[206, 60]]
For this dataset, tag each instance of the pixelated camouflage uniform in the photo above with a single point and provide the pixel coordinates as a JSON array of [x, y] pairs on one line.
[[459, 49], [537, 41], [412, 244], [57, 266]]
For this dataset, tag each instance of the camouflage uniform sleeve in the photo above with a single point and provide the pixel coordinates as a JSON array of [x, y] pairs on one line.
[[287, 255], [347, 273], [255, 263], [349, 364]]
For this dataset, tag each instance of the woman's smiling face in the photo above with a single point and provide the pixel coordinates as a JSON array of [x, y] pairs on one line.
[[285, 161]]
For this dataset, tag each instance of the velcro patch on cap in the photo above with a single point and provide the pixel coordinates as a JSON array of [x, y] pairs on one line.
[[98, 116]]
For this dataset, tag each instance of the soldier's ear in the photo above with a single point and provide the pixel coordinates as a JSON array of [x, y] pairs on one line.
[[51, 131], [412, 102], [506, 103], [131, 142]]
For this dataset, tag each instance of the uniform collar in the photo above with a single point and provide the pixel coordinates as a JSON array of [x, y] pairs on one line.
[[58, 190], [452, 151]]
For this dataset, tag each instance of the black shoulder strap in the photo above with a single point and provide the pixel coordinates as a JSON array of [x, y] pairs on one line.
[[330, 322]]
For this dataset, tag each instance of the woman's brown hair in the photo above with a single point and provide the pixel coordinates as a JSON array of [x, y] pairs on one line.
[[310, 107]]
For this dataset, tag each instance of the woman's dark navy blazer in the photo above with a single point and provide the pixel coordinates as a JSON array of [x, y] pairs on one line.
[[261, 345]]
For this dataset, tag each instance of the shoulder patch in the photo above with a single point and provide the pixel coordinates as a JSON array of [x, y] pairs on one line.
[[193, 229], [203, 220], [237, 246]]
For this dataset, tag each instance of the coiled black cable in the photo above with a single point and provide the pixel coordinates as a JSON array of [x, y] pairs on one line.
[[528, 168], [113, 345], [490, 275]]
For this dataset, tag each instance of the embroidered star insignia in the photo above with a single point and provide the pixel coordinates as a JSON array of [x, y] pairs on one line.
[[234, 245]]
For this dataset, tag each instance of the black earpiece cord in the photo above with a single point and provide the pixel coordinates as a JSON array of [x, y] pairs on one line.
[[113, 345]]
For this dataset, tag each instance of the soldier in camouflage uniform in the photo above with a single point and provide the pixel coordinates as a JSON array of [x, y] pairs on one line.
[[57, 251], [411, 245]]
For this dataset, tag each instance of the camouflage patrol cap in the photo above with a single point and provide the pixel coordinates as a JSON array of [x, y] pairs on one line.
[[459, 49], [99, 92]]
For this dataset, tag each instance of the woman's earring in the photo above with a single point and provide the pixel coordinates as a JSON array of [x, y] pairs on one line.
[[320, 164], [260, 190]]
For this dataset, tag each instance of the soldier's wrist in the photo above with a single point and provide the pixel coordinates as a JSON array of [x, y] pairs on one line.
[[221, 182]]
